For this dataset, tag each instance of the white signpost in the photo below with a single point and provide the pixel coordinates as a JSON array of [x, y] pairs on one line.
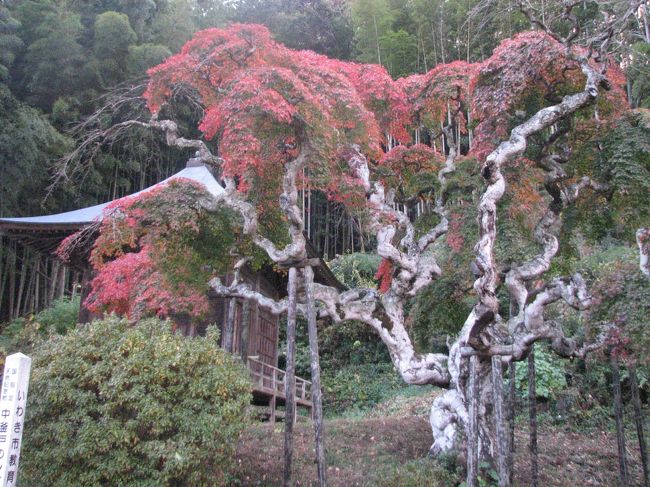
[[13, 400]]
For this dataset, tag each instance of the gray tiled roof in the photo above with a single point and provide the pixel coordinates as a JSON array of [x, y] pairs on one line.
[[94, 213]]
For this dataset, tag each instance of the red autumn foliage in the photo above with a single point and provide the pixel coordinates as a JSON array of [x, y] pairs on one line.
[[407, 165], [518, 66], [442, 92], [455, 238], [265, 103], [145, 257], [531, 64], [411, 159], [384, 275]]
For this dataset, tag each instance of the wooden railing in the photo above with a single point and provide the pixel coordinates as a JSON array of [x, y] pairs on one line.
[[270, 379]]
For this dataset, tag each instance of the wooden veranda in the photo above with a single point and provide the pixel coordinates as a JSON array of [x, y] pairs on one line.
[[268, 387]]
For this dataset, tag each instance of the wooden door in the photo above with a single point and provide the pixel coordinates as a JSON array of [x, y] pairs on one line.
[[267, 338]]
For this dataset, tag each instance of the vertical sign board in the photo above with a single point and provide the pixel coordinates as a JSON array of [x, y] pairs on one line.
[[13, 401]]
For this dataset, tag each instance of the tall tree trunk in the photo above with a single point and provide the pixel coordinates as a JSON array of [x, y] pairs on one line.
[[638, 419], [37, 286], [442, 42], [630, 98], [469, 28], [374, 20], [433, 39], [290, 378], [326, 246], [469, 130], [618, 416], [503, 450], [309, 219], [532, 415], [424, 51], [316, 395]]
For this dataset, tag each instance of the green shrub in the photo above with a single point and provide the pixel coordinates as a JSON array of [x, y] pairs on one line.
[[549, 374], [356, 270], [61, 316], [113, 404], [21, 334], [359, 386], [350, 343]]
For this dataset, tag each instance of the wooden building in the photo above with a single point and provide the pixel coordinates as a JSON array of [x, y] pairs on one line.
[[256, 331]]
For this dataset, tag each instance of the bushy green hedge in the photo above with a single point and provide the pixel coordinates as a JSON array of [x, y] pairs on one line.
[[113, 404]]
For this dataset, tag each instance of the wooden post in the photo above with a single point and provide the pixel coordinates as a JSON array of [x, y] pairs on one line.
[[272, 412], [29, 290], [4, 264], [229, 327], [85, 315], [21, 285], [532, 417], [54, 278], [499, 420], [245, 324], [316, 396], [60, 290], [618, 415], [290, 378], [12, 281], [638, 419], [472, 433], [35, 306], [512, 405], [511, 398]]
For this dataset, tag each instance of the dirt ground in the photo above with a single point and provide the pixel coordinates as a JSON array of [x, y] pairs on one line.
[[361, 451]]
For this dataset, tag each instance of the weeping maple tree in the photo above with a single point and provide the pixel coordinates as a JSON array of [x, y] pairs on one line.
[[277, 121]]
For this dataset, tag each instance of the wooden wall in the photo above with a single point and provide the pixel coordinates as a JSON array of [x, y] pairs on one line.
[[256, 331]]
